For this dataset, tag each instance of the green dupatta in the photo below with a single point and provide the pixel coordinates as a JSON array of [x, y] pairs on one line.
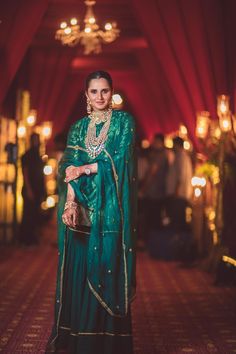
[[110, 195]]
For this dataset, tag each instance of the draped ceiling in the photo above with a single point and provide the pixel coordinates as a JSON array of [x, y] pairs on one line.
[[172, 59]]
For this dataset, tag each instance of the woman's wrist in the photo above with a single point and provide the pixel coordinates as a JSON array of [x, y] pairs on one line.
[[88, 169], [70, 204]]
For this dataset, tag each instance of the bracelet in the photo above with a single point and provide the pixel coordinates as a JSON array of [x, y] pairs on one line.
[[70, 204]]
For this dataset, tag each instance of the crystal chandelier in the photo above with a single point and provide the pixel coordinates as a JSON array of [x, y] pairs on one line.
[[91, 37]]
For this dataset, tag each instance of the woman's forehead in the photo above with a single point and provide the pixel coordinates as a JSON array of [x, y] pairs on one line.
[[99, 83]]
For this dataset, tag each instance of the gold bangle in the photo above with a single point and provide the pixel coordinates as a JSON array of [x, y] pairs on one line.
[[70, 204]]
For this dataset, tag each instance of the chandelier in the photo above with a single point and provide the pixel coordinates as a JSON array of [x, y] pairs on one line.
[[91, 37]]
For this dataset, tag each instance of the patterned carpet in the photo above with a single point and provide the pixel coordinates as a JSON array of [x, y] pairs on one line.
[[177, 310]]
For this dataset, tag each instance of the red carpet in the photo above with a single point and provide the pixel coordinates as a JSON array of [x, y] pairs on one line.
[[177, 310]]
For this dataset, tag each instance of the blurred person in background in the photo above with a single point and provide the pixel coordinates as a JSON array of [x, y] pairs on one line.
[[154, 184], [179, 188], [33, 192], [143, 167]]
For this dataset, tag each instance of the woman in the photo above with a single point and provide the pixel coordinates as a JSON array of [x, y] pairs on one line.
[[96, 223]]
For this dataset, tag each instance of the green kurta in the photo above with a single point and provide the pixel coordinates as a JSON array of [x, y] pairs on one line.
[[96, 271]]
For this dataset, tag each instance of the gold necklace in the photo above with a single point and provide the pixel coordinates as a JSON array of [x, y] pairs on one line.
[[100, 116], [95, 144]]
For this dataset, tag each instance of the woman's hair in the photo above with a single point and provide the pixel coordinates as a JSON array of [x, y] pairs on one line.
[[100, 74]]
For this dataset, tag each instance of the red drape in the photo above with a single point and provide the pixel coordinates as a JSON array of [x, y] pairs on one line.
[[20, 21], [160, 93], [187, 39]]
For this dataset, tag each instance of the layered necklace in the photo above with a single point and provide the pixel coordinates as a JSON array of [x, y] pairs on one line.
[[95, 144]]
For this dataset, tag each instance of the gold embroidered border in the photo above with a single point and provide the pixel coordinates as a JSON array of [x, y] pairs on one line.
[[96, 333], [76, 147], [61, 285], [122, 220], [82, 232], [98, 297]]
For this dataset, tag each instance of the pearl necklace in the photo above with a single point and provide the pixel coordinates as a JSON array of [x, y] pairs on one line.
[[95, 144]]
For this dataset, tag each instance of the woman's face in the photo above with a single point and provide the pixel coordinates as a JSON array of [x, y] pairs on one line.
[[99, 93]]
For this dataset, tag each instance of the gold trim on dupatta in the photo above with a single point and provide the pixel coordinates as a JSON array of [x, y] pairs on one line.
[[95, 333]]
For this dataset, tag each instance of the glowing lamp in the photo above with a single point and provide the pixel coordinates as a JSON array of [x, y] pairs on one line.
[[31, 119], [87, 30], [222, 105], [197, 192], [183, 131], [203, 121], [212, 215], [91, 20], [50, 201], [117, 99], [47, 170], [187, 145], [215, 129], [108, 26], [67, 30], [194, 181], [168, 142], [225, 123], [215, 238], [73, 21], [188, 214], [198, 181], [212, 227], [145, 144], [202, 182], [47, 130], [21, 131], [63, 25]]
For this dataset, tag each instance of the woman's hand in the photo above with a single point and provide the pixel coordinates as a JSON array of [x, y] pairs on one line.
[[70, 217], [72, 172]]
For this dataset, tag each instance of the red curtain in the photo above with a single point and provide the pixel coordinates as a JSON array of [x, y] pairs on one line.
[[141, 104], [20, 21], [187, 40], [160, 93]]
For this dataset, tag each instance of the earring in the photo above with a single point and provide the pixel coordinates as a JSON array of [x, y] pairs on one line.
[[111, 104], [89, 107]]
